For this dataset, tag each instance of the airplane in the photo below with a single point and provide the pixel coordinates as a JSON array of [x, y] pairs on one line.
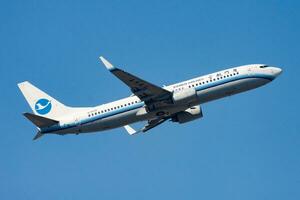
[[179, 102]]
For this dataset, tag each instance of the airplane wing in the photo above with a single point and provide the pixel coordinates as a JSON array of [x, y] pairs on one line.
[[146, 91], [151, 124]]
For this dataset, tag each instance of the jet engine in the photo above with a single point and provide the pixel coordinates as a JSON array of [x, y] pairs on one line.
[[185, 96], [188, 115]]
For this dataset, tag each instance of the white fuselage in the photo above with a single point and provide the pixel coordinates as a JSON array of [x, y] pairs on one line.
[[131, 109]]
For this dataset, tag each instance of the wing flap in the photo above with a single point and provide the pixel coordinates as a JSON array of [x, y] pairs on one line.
[[153, 123]]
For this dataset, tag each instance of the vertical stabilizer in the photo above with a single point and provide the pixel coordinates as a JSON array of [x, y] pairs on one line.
[[41, 103]]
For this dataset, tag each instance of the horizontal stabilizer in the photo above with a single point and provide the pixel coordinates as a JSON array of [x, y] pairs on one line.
[[38, 135], [39, 121]]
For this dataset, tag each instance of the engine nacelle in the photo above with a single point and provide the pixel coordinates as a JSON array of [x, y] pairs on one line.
[[185, 96], [188, 115]]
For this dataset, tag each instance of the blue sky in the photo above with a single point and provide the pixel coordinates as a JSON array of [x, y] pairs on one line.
[[245, 147]]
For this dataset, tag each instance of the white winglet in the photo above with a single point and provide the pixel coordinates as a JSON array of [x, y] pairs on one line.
[[107, 64], [130, 130]]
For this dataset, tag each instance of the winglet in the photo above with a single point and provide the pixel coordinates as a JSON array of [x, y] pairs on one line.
[[130, 130], [107, 64]]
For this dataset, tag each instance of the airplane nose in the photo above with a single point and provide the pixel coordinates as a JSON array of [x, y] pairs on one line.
[[277, 71]]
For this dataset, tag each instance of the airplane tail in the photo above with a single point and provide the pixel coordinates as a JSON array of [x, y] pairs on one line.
[[41, 103]]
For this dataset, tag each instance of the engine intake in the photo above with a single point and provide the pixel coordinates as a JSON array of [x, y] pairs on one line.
[[188, 115]]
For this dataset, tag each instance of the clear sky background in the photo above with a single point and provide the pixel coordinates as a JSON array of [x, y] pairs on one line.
[[246, 146]]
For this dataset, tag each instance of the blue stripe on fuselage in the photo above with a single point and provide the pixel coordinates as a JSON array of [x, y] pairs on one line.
[[231, 79]]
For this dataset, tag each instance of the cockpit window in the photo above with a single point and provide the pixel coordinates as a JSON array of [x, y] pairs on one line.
[[263, 66]]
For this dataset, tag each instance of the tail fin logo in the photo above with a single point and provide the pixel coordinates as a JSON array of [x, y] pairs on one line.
[[43, 106]]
